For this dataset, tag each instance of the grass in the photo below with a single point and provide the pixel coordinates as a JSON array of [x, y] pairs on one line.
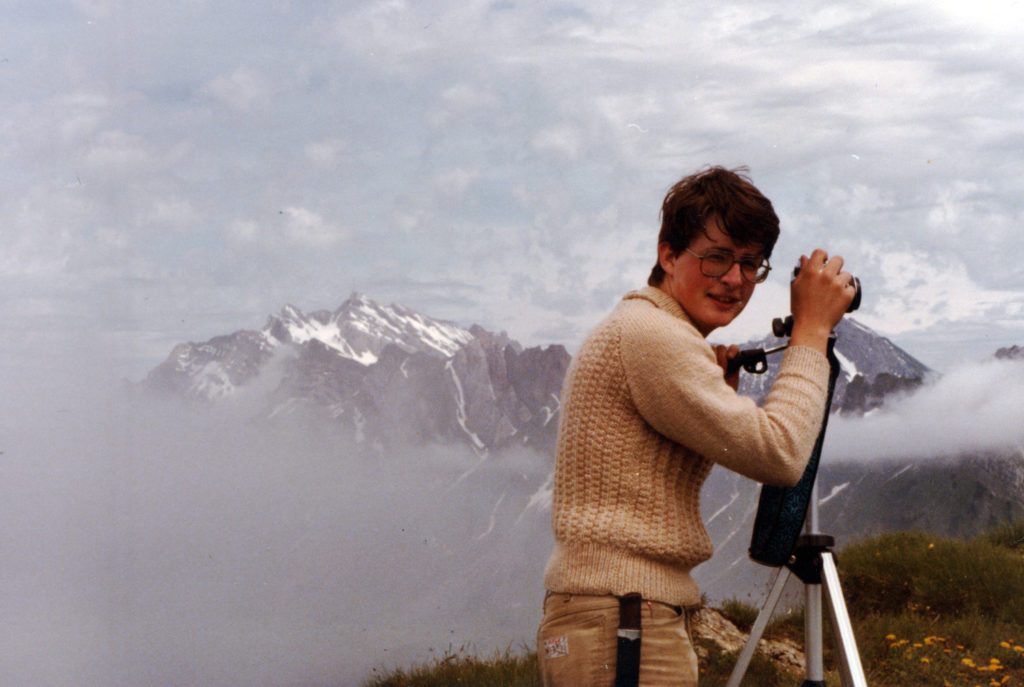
[[933, 611], [457, 667], [926, 611]]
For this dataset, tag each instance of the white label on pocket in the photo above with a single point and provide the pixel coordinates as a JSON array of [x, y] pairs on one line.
[[556, 647]]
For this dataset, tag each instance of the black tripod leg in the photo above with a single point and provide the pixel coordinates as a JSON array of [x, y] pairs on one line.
[[740, 669], [851, 671]]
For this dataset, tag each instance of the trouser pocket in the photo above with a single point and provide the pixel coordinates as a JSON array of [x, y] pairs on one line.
[[667, 656], [576, 641]]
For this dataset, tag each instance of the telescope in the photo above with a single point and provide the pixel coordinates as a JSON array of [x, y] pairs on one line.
[[777, 541]]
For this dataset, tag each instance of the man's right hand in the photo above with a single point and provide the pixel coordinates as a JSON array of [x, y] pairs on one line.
[[819, 297]]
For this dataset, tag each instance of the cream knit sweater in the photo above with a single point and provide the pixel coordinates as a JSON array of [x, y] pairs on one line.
[[645, 413]]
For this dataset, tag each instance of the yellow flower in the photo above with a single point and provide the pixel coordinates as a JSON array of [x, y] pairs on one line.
[[1005, 645], [918, 645], [891, 638], [1018, 648], [925, 659], [968, 662]]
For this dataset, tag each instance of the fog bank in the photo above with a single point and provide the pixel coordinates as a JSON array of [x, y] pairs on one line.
[[154, 543], [974, 409]]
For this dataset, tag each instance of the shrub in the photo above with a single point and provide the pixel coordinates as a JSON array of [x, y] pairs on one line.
[[932, 576], [740, 613], [1010, 536]]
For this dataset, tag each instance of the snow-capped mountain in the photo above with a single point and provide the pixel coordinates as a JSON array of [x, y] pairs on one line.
[[871, 368], [359, 330], [382, 372]]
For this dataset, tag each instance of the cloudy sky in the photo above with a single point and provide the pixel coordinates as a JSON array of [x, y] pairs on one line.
[[174, 171]]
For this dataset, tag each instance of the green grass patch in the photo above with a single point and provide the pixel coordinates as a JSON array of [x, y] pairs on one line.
[[456, 667], [932, 576], [1010, 536], [740, 613], [933, 611]]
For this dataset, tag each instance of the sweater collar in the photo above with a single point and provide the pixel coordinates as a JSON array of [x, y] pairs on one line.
[[660, 300]]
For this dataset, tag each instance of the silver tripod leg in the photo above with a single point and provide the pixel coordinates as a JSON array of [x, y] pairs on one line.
[[814, 645], [758, 629], [851, 671]]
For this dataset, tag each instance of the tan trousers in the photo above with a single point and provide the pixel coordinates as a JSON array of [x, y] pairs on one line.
[[576, 643]]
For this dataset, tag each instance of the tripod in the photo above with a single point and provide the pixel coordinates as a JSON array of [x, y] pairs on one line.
[[813, 562]]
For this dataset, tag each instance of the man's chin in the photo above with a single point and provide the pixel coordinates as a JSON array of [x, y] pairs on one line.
[[726, 310]]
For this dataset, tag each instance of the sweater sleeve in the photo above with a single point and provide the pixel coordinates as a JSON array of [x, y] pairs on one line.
[[679, 389]]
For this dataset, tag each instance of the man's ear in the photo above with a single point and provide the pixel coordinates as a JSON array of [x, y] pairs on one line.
[[666, 257]]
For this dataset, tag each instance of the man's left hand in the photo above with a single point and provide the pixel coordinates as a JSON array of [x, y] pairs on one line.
[[724, 354]]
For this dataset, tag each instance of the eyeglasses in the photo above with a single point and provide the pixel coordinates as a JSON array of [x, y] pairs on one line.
[[715, 263]]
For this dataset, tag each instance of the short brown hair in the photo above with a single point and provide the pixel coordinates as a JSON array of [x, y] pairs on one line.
[[727, 194]]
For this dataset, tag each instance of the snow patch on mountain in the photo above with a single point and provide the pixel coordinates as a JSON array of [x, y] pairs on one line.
[[361, 328], [848, 367], [460, 411], [832, 494]]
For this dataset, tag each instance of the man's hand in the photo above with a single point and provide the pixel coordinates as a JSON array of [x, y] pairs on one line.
[[724, 354], [819, 297]]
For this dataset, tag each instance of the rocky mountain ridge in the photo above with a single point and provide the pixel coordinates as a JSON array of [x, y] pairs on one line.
[[388, 373], [1010, 353], [383, 373]]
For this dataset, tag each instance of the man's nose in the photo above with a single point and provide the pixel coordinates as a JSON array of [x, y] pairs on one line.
[[733, 276]]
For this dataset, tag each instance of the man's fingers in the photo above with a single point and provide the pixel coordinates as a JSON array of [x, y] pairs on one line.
[[834, 265], [817, 260]]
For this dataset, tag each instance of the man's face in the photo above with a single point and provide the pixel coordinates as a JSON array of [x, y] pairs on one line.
[[709, 302]]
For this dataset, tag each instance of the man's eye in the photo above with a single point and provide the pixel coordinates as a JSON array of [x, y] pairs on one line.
[[750, 263], [718, 258]]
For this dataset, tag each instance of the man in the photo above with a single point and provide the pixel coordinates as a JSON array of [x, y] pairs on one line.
[[647, 410]]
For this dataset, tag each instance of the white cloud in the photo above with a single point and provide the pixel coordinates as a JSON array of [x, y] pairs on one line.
[[454, 182], [464, 96], [974, 408], [1001, 16], [240, 90], [919, 290], [324, 153], [82, 112], [564, 141], [544, 135], [307, 228], [118, 152], [242, 231], [94, 8], [177, 213]]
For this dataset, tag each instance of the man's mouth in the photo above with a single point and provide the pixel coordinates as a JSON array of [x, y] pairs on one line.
[[724, 299]]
